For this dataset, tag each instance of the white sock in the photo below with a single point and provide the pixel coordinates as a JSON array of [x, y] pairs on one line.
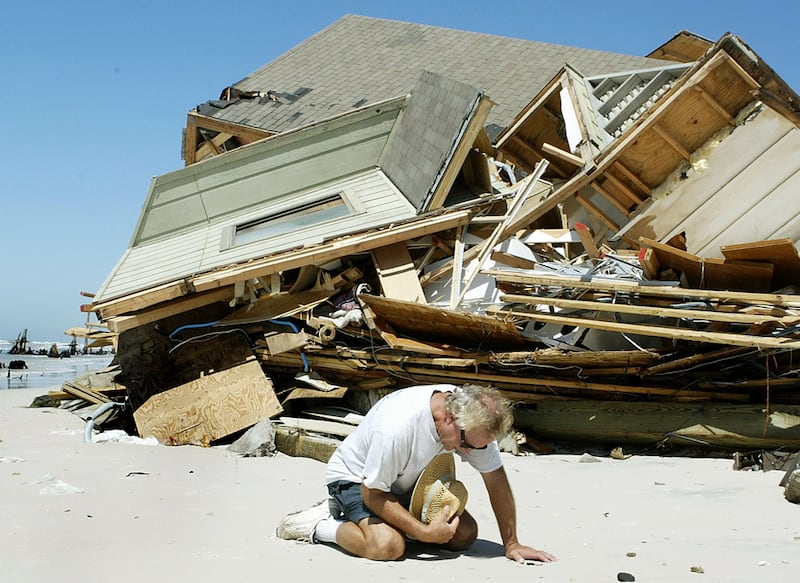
[[325, 532]]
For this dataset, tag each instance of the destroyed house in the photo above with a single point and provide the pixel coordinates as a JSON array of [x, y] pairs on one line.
[[390, 204]]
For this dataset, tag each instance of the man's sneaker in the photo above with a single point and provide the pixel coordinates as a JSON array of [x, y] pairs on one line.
[[301, 525]]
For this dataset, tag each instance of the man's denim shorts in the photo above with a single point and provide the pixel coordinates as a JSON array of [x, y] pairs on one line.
[[347, 504]]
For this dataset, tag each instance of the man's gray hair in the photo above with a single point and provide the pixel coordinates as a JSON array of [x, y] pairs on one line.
[[479, 407]]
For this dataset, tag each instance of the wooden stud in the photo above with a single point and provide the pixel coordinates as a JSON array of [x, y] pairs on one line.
[[630, 175], [623, 188], [715, 105], [613, 200], [670, 139], [563, 155], [596, 212]]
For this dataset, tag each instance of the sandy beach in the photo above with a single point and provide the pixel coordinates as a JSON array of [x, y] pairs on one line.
[[78, 511]]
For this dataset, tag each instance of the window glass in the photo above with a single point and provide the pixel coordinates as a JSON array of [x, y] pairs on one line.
[[299, 217]]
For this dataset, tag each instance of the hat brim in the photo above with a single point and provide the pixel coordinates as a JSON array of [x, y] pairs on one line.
[[429, 497]]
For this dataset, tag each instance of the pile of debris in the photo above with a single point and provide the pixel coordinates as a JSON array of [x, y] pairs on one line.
[[619, 258]]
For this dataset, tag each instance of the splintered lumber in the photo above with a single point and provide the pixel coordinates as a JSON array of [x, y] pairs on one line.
[[658, 331], [141, 300], [210, 407], [595, 359], [319, 426], [516, 379], [423, 322], [688, 362], [89, 395], [645, 289], [103, 395], [585, 234], [309, 393], [660, 312], [617, 422], [148, 315]]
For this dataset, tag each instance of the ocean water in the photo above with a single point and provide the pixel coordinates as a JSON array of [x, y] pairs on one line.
[[44, 372]]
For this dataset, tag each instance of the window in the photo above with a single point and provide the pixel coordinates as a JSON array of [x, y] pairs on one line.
[[292, 219]]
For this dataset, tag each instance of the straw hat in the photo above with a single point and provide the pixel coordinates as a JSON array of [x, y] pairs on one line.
[[436, 488]]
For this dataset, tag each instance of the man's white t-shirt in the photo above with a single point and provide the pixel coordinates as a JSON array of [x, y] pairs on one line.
[[396, 440]]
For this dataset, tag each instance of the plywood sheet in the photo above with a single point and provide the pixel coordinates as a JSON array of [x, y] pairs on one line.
[[209, 408], [781, 253], [712, 273]]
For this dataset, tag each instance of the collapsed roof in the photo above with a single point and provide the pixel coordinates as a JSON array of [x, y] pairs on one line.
[[359, 60]]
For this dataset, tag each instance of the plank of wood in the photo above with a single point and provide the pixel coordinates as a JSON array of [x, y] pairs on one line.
[[338, 414], [644, 188], [398, 342], [86, 394], [671, 140], [563, 155], [715, 105], [397, 273], [612, 200], [649, 263], [655, 311], [285, 341], [247, 134], [318, 426], [646, 289], [140, 300], [209, 408], [586, 360], [119, 324], [585, 235], [657, 331], [308, 393]]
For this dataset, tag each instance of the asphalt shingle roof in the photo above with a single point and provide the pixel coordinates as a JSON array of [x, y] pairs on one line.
[[358, 60]]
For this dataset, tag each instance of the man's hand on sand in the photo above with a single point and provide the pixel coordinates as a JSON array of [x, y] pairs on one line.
[[521, 553]]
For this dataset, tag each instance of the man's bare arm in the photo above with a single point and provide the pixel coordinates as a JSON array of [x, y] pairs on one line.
[[505, 512]]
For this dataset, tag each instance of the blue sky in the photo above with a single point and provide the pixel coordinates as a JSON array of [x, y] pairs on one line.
[[96, 95]]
